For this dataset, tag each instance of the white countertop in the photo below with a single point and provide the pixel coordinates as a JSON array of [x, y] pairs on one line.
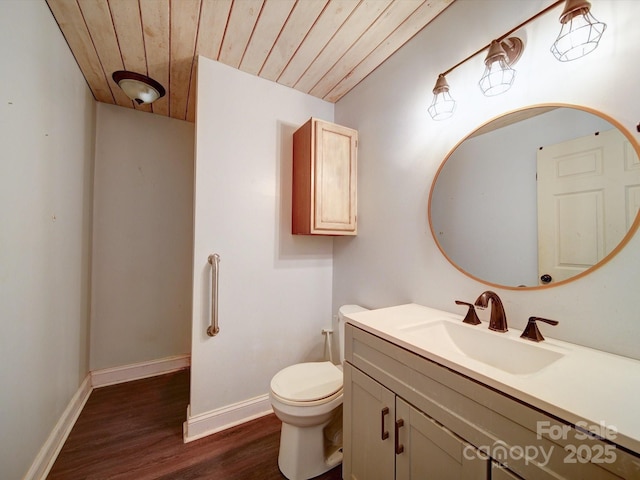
[[587, 387]]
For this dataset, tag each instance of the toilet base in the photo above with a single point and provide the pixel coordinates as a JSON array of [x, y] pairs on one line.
[[303, 452]]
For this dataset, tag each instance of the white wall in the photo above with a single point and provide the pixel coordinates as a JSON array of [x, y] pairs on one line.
[[142, 238], [47, 123], [394, 259], [275, 289]]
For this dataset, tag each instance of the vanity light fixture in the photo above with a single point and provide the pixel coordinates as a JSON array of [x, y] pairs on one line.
[[580, 32], [498, 75], [579, 35], [443, 104], [139, 88]]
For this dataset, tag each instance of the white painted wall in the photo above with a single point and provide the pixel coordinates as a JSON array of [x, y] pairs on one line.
[[47, 124], [275, 289], [394, 259], [142, 238]]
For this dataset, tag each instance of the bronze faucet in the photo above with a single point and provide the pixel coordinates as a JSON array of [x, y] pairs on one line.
[[498, 320]]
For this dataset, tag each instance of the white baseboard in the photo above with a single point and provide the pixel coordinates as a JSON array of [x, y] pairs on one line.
[[136, 371], [99, 378], [49, 452], [199, 426]]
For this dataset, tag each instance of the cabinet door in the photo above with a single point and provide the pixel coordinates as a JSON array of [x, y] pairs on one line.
[[335, 178], [369, 410], [499, 472], [428, 450]]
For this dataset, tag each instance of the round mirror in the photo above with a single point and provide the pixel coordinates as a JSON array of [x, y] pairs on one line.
[[537, 197]]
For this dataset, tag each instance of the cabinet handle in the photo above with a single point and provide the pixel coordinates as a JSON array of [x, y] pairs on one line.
[[399, 448], [384, 434]]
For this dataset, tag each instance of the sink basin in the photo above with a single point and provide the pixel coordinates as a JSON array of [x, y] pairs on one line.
[[499, 350]]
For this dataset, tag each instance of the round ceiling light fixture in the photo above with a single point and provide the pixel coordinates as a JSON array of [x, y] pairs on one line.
[[139, 88]]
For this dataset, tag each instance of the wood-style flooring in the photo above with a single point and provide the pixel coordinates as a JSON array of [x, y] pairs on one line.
[[134, 431]]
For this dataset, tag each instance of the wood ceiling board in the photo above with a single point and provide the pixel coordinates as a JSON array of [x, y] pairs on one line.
[[75, 31], [405, 32], [330, 21], [125, 15], [272, 18], [184, 17], [126, 21], [320, 46], [384, 25], [214, 17], [358, 23], [97, 16], [300, 21], [242, 21], [155, 27], [193, 87], [510, 119]]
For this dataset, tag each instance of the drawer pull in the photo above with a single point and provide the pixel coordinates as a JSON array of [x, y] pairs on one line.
[[399, 448], [384, 434]]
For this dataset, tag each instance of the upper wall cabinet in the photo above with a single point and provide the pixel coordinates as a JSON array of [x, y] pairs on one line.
[[324, 179]]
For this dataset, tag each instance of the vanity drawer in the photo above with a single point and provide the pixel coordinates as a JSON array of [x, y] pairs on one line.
[[526, 440]]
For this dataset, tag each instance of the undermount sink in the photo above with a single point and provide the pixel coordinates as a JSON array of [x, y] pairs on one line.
[[498, 350]]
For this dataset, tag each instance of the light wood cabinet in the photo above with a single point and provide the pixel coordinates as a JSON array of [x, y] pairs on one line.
[[452, 427], [324, 179]]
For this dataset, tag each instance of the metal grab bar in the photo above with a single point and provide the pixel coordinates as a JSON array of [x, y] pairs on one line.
[[213, 329]]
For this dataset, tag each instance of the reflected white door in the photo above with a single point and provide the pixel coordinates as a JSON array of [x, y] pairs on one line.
[[588, 198]]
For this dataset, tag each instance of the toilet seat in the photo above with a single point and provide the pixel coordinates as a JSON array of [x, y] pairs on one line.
[[307, 383]]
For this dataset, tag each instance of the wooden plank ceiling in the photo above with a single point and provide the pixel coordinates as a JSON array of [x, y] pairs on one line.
[[320, 47]]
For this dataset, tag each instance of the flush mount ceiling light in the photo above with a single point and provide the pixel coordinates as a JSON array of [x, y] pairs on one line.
[[579, 35], [498, 75], [139, 88], [443, 105], [580, 32]]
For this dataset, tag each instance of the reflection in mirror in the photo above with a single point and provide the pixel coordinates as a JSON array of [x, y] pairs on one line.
[[536, 197]]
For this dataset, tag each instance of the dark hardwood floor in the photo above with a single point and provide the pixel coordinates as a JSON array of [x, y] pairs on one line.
[[134, 431]]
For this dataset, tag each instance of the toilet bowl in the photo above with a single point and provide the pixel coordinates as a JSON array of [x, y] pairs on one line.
[[307, 398]]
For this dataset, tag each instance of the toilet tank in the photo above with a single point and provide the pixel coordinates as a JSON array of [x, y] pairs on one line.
[[342, 311]]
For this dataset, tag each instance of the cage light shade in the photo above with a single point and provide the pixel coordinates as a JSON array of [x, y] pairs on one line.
[[498, 75], [443, 105], [580, 32], [139, 88]]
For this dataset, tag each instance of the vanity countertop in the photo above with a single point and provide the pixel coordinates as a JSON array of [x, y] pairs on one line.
[[586, 387]]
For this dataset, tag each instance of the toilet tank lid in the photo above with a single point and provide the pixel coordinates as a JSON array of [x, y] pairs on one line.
[[347, 309]]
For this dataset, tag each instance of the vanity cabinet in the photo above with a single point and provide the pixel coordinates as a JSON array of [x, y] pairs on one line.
[[407, 417], [324, 179], [369, 416], [428, 450], [395, 440]]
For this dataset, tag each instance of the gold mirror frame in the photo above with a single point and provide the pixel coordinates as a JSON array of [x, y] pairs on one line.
[[630, 233]]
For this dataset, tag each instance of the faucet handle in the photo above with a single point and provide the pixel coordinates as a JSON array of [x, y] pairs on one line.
[[531, 332], [471, 317]]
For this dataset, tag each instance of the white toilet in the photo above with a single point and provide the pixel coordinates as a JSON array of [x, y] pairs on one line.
[[307, 397]]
